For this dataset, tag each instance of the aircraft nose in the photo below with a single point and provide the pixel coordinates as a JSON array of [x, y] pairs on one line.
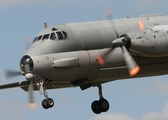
[[26, 64]]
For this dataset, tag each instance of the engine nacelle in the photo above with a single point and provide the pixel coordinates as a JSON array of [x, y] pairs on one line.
[[152, 42], [75, 66]]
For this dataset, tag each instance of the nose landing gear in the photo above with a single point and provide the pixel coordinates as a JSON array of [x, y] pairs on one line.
[[47, 102], [101, 105]]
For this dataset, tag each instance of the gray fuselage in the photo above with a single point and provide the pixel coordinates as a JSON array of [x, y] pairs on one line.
[[96, 37]]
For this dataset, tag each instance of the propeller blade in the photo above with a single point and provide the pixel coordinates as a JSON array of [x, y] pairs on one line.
[[100, 60], [111, 21], [11, 73], [32, 104], [27, 42], [133, 68], [141, 25]]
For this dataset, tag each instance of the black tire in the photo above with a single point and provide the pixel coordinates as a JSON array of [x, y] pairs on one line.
[[96, 107], [50, 102], [104, 105], [44, 104]]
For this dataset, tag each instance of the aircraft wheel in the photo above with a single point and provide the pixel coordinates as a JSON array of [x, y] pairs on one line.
[[44, 104], [104, 105], [50, 102], [96, 107]]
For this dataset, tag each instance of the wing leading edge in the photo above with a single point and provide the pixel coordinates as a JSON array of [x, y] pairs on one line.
[[14, 85]]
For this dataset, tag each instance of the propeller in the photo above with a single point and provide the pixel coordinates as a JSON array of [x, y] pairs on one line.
[[121, 42], [13, 73], [27, 41], [32, 103], [141, 25]]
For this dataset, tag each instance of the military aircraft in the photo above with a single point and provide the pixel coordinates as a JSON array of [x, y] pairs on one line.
[[88, 54]]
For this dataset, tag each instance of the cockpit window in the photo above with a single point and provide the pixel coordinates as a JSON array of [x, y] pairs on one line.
[[60, 36], [46, 36], [65, 34], [53, 36], [39, 38], [35, 39]]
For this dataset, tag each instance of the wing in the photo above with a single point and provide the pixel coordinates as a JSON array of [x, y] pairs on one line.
[[25, 84], [14, 85], [51, 85]]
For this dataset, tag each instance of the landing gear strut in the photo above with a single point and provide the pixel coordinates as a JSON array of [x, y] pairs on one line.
[[47, 102], [100, 105]]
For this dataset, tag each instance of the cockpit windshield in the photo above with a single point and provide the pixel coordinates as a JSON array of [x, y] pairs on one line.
[[60, 35], [65, 34], [46, 36], [54, 35], [35, 39], [39, 38]]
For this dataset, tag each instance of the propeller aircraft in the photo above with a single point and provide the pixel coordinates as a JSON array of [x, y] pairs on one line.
[[88, 54]]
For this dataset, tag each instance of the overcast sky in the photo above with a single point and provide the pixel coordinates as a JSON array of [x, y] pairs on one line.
[[131, 99]]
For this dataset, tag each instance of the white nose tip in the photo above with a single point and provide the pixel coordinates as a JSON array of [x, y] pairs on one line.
[[29, 76]]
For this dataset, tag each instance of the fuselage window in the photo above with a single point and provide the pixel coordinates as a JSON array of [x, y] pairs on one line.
[[46, 36], [39, 38], [65, 34], [53, 36], [60, 36]]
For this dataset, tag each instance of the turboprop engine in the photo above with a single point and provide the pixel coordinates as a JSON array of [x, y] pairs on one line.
[[151, 42]]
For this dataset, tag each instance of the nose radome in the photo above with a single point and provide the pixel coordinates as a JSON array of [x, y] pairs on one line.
[[26, 64]]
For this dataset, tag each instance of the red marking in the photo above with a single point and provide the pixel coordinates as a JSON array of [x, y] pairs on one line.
[[100, 60], [107, 12], [141, 24], [134, 71], [142, 41]]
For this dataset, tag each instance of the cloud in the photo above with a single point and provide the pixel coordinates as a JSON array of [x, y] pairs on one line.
[[157, 116], [158, 85], [148, 116]]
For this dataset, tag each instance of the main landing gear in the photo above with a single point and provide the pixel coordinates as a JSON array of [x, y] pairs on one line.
[[47, 102], [100, 105], [97, 106]]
